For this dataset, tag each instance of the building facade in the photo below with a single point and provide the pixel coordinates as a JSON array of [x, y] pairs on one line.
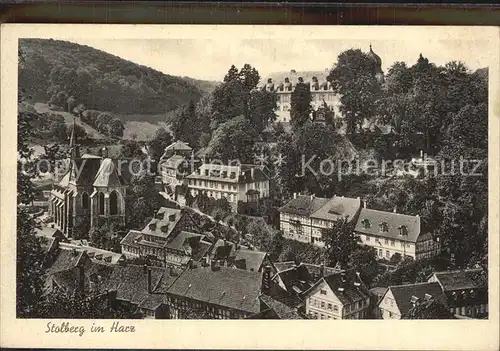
[[245, 183], [305, 216], [322, 92], [338, 296], [391, 233], [466, 291]]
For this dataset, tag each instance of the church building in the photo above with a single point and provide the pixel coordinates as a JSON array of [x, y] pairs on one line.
[[92, 192]]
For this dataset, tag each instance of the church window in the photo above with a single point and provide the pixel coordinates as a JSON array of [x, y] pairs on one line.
[[85, 201], [101, 203], [113, 203]]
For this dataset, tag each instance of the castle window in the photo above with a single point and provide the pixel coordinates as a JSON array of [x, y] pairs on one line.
[[113, 203], [101, 203], [85, 200]]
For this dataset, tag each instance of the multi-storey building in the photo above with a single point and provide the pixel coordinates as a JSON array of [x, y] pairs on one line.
[[338, 296], [466, 291], [167, 238], [304, 217], [395, 233], [244, 182], [322, 92]]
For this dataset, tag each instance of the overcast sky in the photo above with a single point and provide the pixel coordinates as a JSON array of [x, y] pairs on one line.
[[210, 59]]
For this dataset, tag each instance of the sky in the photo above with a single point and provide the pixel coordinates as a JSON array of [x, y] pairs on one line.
[[210, 59]]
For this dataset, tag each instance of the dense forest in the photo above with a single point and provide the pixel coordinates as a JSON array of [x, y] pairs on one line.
[[55, 69]]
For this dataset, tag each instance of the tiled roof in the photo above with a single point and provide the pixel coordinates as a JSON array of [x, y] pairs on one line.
[[393, 220], [182, 239], [130, 238], [281, 266], [249, 259], [88, 168], [165, 221], [107, 175], [131, 282], [94, 253], [350, 293], [296, 279], [278, 78], [403, 294], [462, 279], [338, 207], [66, 260], [174, 161], [178, 146], [303, 205], [282, 311], [233, 288]]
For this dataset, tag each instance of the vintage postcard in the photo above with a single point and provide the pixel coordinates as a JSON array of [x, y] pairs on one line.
[[319, 187]]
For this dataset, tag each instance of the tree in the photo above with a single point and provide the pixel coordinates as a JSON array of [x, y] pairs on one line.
[[300, 105], [233, 141], [249, 76], [353, 78], [144, 201], [364, 260], [429, 309], [53, 153], [103, 121], [58, 128], [29, 266], [340, 242], [185, 126], [262, 105], [276, 245], [116, 128], [232, 74], [132, 149], [158, 144]]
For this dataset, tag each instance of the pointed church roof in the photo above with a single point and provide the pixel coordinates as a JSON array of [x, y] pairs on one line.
[[107, 175], [64, 182], [72, 139]]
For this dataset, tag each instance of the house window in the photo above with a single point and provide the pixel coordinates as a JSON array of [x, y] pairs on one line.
[[393, 243], [329, 306], [367, 238], [113, 203], [380, 253], [386, 241], [366, 223], [335, 308], [323, 292], [387, 254], [384, 227], [322, 304]]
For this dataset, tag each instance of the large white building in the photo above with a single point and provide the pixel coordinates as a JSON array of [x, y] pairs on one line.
[[304, 217], [244, 182], [284, 83]]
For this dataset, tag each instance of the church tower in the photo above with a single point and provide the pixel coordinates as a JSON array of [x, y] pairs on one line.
[[109, 193], [377, 62]]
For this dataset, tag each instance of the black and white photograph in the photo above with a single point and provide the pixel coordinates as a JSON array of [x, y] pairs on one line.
[[255, 178]]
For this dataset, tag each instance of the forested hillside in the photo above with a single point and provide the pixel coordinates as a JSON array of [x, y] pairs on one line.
[[55, 70]]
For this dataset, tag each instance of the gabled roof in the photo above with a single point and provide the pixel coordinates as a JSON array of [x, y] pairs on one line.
[[337, 208], [178, 146], [234, 288], [296, 279], [281, 310], [165, 221], [249, 259], [95, 254], [107, 175], [393, 220], [174, 162], [303, 205], [403, 294], [66, 260], [344, 287], [462, 279]]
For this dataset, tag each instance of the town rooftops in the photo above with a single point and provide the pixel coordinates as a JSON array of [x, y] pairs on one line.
[[95, 254], [388, 225], [233, 288], [66, 260], [174, 162], [404, 293], [314, 270], [250, 260], [281, 310], [462, 279], [132, 238], [303, 205], [347, 286], [338, 207]]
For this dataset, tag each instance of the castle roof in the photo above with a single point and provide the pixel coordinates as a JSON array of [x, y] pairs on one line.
[[107, 175]]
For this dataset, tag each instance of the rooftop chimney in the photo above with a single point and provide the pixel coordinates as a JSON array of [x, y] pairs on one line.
[[395, 209], [294, 195], [422, 154], [152, 226], [322, 270], [364, 203]]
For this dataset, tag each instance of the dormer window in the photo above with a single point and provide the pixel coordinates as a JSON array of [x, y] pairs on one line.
[[454, 295], [206, 172], [233, 175], [384, 227], [366, 223], [403, 230]]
